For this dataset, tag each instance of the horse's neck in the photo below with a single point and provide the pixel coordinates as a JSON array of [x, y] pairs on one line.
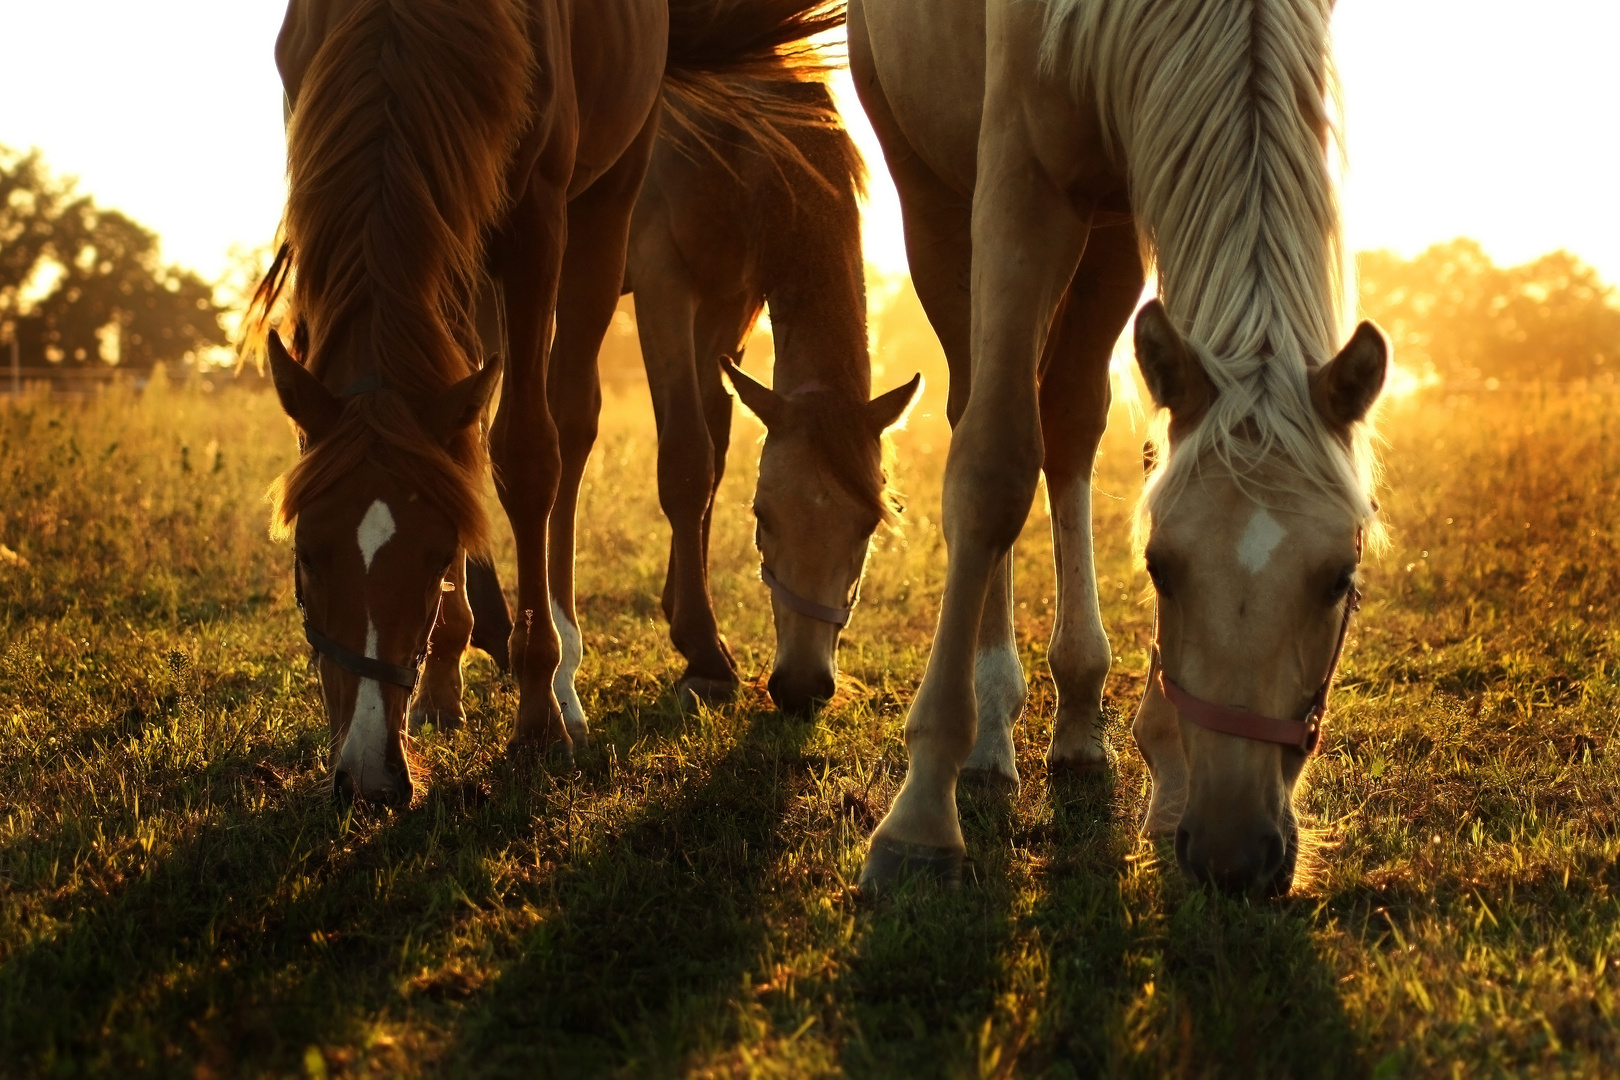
[[818, 313]]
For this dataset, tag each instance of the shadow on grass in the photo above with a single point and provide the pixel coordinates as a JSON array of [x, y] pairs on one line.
[[656, 929], [928, 966], [1151, 978]]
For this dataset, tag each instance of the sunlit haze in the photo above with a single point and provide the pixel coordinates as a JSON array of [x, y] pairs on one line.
[[1489, 119]]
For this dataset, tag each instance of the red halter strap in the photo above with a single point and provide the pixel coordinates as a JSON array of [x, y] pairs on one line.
[[1304, 734]]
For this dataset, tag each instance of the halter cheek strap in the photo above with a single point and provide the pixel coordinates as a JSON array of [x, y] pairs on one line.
[[1304, 734], [808, 608], [366, 667]]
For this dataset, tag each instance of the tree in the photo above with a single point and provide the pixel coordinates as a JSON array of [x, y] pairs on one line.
[[1452, 311], [81, 286]]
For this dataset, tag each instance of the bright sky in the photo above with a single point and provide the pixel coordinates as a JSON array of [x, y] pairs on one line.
[[1488, 118]]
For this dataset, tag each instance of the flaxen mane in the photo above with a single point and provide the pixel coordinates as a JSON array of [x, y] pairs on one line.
[[397, 156], [1220, 111]]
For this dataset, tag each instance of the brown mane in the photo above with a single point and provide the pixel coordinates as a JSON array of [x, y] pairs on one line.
[[838, 434], [396, 164]]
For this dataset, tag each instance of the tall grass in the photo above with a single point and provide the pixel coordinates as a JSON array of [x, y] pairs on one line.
[[178, 895]]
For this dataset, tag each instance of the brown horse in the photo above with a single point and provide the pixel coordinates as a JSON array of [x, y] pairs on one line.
[[432, 142], [1027, 139], [728, 222]]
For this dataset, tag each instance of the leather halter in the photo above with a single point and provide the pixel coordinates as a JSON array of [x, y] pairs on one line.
[[1304, 734], [837, 616], [365, 667]]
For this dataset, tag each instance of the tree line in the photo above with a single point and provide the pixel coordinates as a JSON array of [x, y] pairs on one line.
[[82, 286], [1453, 312]]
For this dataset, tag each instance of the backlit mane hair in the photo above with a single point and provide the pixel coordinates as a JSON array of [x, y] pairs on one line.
[[838, 435], [396, 163], [1220, 110], [741, 63]]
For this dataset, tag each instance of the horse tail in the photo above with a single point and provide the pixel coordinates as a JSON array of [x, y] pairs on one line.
[[397, 158], [741, 67]]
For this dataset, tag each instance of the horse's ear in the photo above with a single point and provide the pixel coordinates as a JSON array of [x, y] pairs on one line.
[[1344, 389], [1171, 370], [760, 399], [461, 405], [311, 406], [886, 410]]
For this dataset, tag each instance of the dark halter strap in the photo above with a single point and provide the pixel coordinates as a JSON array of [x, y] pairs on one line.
[[365, 667], [1304, 735], [808, 608]]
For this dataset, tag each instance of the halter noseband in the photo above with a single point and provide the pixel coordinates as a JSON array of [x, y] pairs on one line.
[[1304, 735], [837, 616]]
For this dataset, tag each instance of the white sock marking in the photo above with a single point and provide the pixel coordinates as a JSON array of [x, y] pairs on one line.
[[1260, 539], [1080, 654], [365, 747], [573, 652], [376, 529]]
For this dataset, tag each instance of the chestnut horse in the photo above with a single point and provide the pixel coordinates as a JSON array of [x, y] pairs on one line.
[[433, 142], [731, 220], [1044, 152]]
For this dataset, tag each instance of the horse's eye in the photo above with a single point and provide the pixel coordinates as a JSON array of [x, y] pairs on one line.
[[303, 559], [1157, 574], [1341, 584], [762, 518]]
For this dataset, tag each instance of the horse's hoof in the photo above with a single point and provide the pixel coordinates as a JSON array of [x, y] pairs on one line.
[[578, 734], [890, 863], [694, 690], [993, 776], [1093, 757], [529, 749]]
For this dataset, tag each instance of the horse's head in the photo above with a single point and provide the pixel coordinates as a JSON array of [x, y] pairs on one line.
[[1255, 571], [820, 497], [379, 512]]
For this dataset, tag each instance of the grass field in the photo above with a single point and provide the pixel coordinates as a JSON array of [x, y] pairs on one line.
[[178, 895]]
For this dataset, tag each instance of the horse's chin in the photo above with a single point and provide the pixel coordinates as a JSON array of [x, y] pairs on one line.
[[1282, 882]]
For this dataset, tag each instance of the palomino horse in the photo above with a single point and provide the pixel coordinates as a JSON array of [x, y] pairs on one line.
[[1023, 136], [430, 141], [726, 223]]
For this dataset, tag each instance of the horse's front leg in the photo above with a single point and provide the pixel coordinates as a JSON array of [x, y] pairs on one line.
[[1027, 238], [1075, 397], [592, 279], [523, 447], [438, 696]]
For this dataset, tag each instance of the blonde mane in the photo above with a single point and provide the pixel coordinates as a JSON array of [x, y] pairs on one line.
[[1221, 113]]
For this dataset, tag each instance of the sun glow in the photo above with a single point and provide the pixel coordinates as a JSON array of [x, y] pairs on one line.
[[1491, 125]]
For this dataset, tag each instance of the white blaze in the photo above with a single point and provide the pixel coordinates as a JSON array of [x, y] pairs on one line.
[[364, 747], [376, 529], [1259, 540]]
